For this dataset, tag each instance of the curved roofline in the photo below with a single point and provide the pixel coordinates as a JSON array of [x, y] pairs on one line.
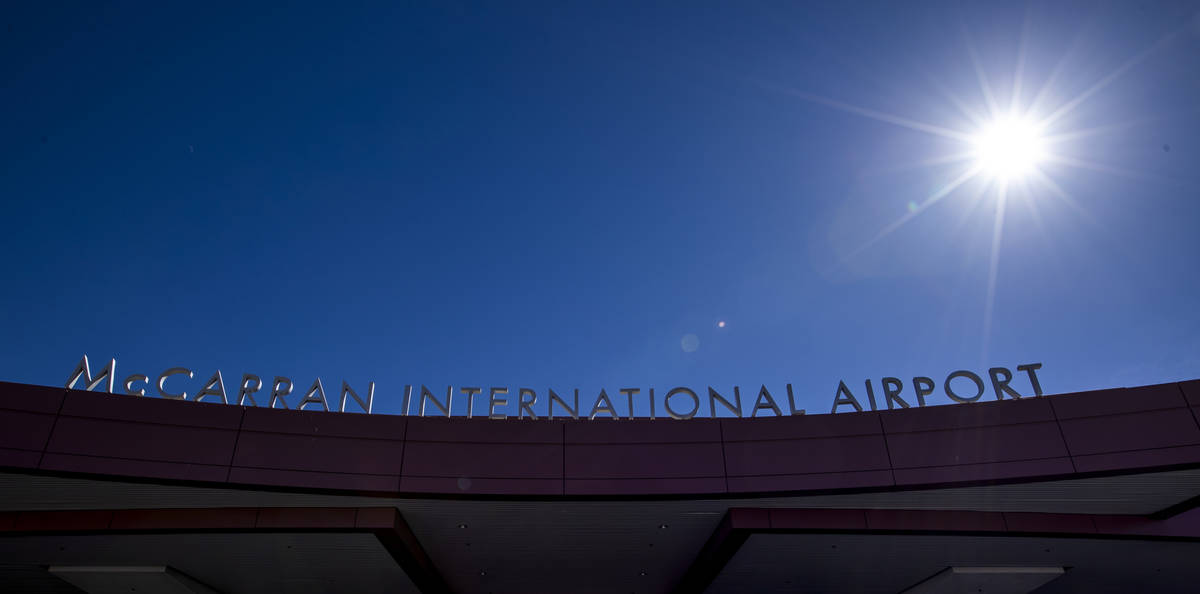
[[1104, 432]]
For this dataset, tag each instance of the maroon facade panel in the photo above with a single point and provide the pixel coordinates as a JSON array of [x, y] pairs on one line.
[[799, 453], [1118, 430], [7, 521], [149, 469], [27, 415], [1112, 430], [986, 441], [1191, 393], [316, 450], [635, 457], [144, 437], [483, 457], [184, 519], [1184, 525]]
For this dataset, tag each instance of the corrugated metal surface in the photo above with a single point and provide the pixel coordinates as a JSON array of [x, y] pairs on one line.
[[596, 546], [886, 564], [230, 563]]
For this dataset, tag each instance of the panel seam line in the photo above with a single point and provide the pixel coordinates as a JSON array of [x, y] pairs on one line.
[[53, 426]]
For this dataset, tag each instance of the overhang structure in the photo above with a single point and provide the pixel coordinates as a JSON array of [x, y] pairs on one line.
[[1095, 491]]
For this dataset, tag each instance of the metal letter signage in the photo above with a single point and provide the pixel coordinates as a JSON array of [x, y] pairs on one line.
[[680, 402]]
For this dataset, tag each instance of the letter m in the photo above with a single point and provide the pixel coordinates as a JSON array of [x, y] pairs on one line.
[[89, 382]]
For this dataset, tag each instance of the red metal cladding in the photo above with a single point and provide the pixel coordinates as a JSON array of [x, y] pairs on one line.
[[1117, 401], [35, 399], [326, 453], [976, 445], [319, 424], [991, 471], [817, 481], [485, 431], [981, 414], [304, 479], [644, 461], [121, 467], [131, 440], [1119, 430], [642, 431], [1191, 391], [149, 410]]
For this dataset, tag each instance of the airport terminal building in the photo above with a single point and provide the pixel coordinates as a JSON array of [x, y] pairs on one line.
[[1088, 492]]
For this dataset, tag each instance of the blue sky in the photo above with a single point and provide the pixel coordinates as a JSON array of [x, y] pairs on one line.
[[554, 196]]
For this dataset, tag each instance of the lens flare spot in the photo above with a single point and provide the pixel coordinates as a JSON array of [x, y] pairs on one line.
[[721, 324], [689, 343], [913, 206]]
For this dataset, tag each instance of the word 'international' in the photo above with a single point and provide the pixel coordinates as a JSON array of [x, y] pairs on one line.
[[678, 403]]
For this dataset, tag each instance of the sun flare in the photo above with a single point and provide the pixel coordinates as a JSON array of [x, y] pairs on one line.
[[1019, 144], [1009, 148]]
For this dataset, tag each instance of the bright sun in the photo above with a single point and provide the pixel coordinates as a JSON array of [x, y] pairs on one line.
[[1009, 148], [1015, 150]]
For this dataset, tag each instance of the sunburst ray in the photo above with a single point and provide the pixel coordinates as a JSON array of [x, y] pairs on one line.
[[1070, 105], [994, 266], [883, 116], [930, 201]]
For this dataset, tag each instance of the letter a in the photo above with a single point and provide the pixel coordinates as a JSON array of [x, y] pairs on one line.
[[765, 401], [845, 397], [215, 386]]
